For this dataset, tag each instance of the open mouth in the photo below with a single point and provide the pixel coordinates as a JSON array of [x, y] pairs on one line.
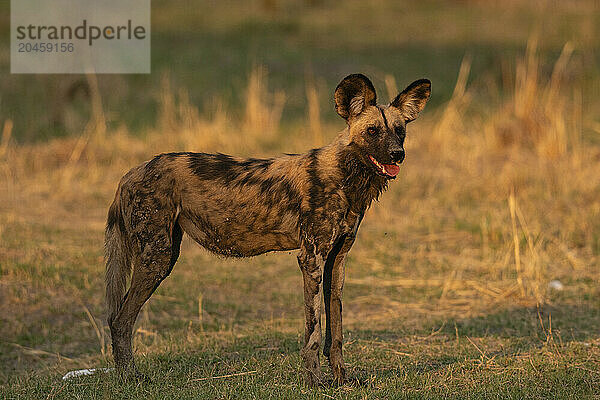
[[387, 170]]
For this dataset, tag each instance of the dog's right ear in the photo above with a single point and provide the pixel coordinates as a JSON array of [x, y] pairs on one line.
[[353, 94]]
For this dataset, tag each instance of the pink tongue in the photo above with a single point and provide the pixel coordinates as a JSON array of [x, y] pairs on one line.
[[391, 169]]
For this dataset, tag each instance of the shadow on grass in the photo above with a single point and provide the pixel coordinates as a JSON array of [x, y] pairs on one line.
[[510, 333], [570, 322], [520, 329]]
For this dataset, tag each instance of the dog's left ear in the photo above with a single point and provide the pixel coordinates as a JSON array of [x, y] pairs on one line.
[[353, 94], [412, 100]]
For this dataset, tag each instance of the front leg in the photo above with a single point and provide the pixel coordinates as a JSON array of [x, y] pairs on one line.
[[311, 265], [333, 284]]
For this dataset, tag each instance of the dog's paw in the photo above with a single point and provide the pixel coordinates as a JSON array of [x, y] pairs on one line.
[[312, 369], [339, 374]]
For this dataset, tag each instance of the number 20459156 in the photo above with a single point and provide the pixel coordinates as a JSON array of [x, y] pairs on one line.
[[43, 47]]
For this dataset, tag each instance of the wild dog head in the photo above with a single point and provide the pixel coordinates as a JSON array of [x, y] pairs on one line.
[[377, 132]]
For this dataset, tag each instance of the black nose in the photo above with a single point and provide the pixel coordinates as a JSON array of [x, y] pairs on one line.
[[397, 156]]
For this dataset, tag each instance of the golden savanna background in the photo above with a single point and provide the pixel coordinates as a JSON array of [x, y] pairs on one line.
[[475, 275]]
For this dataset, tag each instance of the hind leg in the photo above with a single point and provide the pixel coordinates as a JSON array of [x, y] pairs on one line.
[[121, 328], [150, 268]]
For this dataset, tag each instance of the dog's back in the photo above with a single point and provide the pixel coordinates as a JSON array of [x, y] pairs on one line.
[[231, 206]]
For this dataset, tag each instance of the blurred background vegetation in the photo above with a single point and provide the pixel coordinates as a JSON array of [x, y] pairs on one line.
[[209, 48]]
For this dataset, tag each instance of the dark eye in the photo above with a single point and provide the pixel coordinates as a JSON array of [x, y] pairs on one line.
[[372, 130]]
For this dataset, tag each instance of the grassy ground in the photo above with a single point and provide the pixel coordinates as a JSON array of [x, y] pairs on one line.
[[448, 290]]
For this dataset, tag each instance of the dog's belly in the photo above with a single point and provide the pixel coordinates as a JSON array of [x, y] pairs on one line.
[[240, 234]]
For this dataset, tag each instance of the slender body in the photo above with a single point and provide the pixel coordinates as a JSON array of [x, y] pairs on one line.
[[235, 207]]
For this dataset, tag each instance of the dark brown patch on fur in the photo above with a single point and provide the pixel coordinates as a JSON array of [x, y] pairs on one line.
[[176, 245], [316, 189], [114, 217]]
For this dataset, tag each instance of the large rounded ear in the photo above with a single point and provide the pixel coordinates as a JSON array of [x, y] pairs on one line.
[[353, 94], [412, 100]]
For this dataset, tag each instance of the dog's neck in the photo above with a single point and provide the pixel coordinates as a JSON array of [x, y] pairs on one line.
[[360, 183]]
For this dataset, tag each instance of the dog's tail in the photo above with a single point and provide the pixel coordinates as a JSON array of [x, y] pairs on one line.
[[118, 258]]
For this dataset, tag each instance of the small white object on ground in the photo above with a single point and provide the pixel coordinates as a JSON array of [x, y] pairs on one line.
[[83, 372], [556, 285]]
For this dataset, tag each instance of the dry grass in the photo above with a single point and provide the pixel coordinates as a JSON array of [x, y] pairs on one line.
[[488, 209]]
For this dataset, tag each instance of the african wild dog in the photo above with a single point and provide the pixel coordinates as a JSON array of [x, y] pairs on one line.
[[313, 202]]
